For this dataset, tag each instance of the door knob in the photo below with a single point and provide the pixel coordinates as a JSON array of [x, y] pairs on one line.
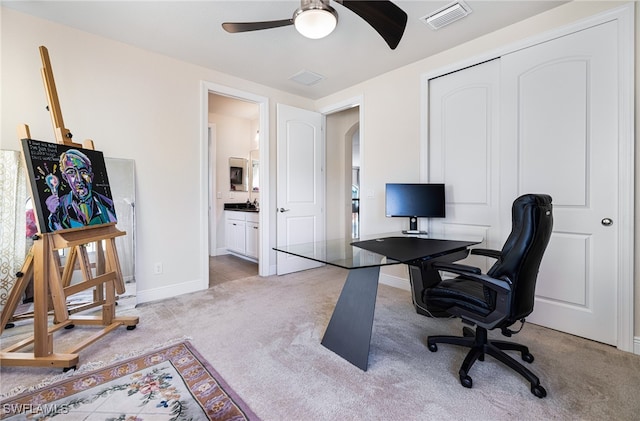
[[284, 210], [606, 222]]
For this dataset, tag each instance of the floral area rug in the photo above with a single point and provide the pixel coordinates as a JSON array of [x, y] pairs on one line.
[[174, 383]]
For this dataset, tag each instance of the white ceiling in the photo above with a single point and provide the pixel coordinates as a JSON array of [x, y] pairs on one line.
[[191, 31]]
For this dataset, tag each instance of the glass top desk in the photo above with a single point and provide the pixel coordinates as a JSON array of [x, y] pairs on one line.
[[348, 333]]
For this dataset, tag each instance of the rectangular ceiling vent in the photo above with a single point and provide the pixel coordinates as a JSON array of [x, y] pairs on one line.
[[306, 77], [446, 15]]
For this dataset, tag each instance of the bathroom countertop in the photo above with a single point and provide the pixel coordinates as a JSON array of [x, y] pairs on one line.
[[241, 207], [254, 210]]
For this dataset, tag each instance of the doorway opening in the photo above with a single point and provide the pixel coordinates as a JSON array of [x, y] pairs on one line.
[[353, 139], [222, 120], [344, 175]]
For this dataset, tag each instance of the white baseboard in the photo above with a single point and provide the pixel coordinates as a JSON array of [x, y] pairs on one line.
[[395, 281], [242, 256], [636, 345], [168, 291]]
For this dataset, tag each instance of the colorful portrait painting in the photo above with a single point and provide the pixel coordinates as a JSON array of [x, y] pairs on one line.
[[69, 186]]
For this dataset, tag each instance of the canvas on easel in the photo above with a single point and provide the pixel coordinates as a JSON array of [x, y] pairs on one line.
[[69, 186]]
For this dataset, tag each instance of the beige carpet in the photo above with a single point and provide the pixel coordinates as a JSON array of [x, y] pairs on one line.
[[263, 336]]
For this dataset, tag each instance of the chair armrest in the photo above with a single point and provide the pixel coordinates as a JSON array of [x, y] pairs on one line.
[[450, 267], [502, 287], [496, 254], [473, 273]]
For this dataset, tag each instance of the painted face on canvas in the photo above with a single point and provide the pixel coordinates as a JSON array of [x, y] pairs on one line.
[[76, 170]]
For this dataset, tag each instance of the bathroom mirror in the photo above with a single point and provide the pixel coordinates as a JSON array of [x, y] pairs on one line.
[[254, 159], [238, 174]]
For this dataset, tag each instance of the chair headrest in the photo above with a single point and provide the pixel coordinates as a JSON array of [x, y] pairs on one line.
[[533, 199]]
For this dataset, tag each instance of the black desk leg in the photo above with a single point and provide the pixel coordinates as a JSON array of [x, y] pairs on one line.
[[349, 331]]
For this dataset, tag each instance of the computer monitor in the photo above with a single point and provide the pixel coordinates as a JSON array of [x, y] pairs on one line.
[[415, 201]]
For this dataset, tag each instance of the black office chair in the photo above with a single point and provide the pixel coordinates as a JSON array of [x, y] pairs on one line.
[[502, 296]]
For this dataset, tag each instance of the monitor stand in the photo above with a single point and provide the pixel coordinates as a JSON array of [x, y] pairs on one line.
[[413, 227]]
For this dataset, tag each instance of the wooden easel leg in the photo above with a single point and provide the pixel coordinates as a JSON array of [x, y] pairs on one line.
[[100, 269], [109, 307], [67, 272], [56, 290], [43, 342], [113, 263], [20, 286], [42, 339]]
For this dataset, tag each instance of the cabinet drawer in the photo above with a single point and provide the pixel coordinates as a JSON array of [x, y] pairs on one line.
[[235, 215]]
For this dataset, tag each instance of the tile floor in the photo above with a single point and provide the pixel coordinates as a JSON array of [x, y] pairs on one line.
[[229, 268]]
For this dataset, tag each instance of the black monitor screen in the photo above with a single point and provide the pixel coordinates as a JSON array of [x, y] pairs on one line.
[[420, 200]]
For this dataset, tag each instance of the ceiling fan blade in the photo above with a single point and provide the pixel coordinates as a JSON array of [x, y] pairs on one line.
[[385, 17], [234, 27]]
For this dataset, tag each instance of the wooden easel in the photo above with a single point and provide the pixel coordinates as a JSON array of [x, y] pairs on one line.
[[52, 282]]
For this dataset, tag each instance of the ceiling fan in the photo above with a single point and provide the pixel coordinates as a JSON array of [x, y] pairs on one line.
[[316, 19]]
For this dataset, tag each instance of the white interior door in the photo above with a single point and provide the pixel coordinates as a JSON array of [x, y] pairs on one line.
[[543, 119], [301, 191], [560, 108]]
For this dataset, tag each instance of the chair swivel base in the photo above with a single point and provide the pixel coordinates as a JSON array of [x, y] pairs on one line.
[[480, 345]]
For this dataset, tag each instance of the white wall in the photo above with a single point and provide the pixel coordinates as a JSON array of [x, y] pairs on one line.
[[134, 104]]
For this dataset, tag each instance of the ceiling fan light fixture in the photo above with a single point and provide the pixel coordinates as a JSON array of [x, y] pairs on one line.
[[315, 22]]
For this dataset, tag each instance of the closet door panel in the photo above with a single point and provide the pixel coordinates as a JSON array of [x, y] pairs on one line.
[[463, 151], [466, 115], [553, 121]]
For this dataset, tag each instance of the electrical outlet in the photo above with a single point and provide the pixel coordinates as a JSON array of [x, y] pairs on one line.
[[157, 268]]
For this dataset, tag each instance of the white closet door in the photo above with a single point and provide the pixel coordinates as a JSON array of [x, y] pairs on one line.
[[540, 120], [560, 136], [463, 152]]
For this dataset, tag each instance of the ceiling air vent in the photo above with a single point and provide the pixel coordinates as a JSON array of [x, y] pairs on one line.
[[305, 77], [446, 15]]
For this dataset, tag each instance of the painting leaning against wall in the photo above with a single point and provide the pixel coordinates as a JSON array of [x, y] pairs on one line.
[[69, 186]]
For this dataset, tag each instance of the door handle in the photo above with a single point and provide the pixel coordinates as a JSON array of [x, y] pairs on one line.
[[283, 210], [606, 222]]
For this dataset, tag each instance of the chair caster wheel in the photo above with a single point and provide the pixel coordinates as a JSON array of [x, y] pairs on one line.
[[433, 347], [64, 370], [71, 326], [466, 381], [131, 327], [528, 358], [539, 391]]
